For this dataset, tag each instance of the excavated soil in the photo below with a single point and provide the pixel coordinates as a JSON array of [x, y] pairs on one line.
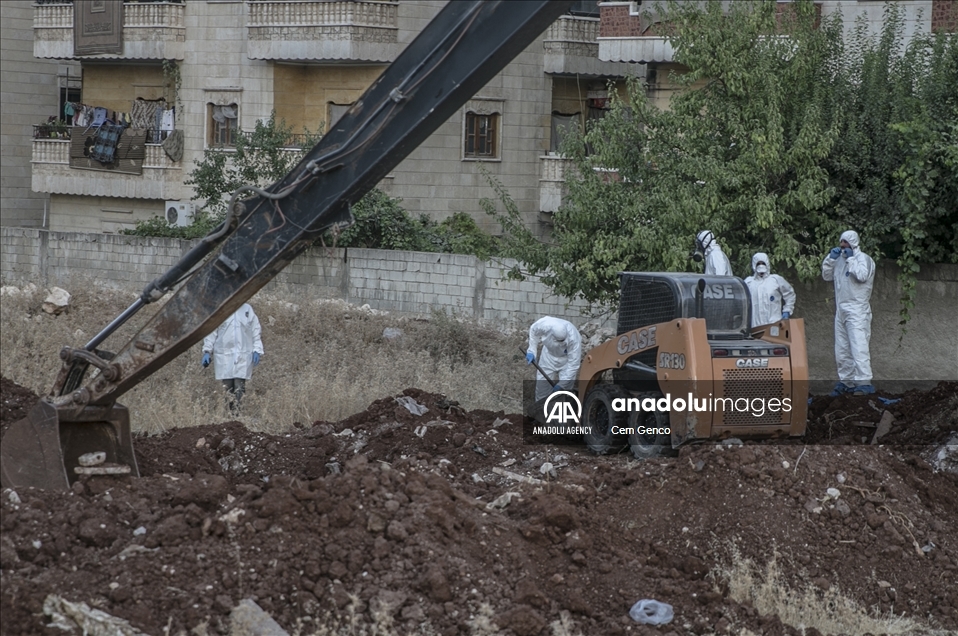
[[392, 514]]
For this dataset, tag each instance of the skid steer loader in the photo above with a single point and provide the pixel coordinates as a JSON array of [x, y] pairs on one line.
[[685, 367]]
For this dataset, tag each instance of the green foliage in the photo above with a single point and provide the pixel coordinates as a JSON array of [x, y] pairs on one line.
[[783, 137], [203, 224], [261, 157], [382, 223]]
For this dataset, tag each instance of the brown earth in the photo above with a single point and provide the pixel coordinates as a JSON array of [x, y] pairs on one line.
[[387, 511]]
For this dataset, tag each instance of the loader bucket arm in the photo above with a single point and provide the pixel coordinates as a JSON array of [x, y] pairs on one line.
[[457, 53]]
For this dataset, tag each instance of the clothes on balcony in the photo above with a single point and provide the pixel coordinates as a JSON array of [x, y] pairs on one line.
[[99, 116], [173, 145], [104, 144], [167, 119]]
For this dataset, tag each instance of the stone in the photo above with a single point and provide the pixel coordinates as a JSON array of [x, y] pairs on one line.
[[249, 619], [57, 301]]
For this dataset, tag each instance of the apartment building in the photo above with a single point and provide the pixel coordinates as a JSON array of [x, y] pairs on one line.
[[191, 75]]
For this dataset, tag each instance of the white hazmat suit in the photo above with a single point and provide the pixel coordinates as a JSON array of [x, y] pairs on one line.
[[716, 262], [561, 353], [771, 294], [233, 344], [853, 277]]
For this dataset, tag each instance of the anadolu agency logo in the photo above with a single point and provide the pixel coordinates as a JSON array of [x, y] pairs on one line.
[[562, 411]]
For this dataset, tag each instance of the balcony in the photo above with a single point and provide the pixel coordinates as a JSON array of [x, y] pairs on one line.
[[151, 31], [310, 30], [162, 178], [571, 47]]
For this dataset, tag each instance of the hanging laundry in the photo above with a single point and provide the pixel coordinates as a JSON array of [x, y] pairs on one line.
[[104, 147]]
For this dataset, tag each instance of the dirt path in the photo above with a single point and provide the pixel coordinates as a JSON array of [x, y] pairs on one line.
[[390, 515]]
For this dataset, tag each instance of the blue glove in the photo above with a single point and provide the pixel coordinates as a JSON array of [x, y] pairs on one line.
[[835, 253], [557, 387], [255, 358], [206, 359], [848, 252], [530, 358], [785, 315]]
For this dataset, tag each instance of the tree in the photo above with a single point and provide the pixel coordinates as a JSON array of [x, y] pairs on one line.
[[766, 146], [261, 157]]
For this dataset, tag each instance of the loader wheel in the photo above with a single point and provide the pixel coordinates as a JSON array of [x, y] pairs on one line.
[[648, 445], [597, 414]]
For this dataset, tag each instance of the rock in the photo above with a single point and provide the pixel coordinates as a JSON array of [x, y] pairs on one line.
[[834, 493], [92, 459], [249, 619], [69, 616], [843, 508], [887, 419], [548, 469], [57, 301]]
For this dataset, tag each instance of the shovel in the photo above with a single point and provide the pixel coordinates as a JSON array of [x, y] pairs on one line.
[[43, 450]]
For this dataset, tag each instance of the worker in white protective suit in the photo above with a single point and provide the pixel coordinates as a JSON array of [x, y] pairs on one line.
[[561, 354], [707, 248], [773, 299], [236, 347], [853, 273]]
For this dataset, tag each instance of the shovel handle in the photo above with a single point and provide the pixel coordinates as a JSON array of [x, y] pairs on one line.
[[538, 368]]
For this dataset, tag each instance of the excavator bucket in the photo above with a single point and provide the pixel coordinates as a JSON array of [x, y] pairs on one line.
[[44, 450]]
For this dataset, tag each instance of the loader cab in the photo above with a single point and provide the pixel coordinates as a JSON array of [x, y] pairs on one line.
[[652, 298]]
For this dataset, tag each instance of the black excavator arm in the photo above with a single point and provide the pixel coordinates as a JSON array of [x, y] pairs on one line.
[[457, 53]]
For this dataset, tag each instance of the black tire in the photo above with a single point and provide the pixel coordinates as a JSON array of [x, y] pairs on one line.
[[649, 445], [597, 414]]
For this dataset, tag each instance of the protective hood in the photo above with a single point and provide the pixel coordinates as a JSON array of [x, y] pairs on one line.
[[760, 257], [704, 240], [852, 237]]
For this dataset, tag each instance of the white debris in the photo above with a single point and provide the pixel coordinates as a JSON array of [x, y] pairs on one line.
[[412, 405], [14, 497], [57, 301], [502, 500], [139, 531], [548, 469], [840, 478], [91, 622], [834, 493], [785, 464], [392, 333], [92, 459], [249, 619]]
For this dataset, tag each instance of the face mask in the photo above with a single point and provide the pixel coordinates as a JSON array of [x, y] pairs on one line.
[[761, 268]]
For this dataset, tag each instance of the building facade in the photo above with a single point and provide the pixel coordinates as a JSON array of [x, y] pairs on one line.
[[191, 75], [32, 88]]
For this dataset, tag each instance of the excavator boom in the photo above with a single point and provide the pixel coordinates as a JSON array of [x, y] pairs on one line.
[[457, 53]]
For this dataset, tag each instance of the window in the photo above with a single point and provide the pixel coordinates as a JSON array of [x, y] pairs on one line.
[[336, 111], [223, 125], [481, 136]]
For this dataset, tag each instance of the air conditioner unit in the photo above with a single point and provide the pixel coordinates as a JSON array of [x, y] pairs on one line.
[[179, 213]]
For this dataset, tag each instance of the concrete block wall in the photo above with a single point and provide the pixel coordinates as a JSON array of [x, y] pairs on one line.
[[418, 283]]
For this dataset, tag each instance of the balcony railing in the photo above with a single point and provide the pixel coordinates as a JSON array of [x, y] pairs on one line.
[[162, 177], [316, 30], [571, 46], [151, 30]]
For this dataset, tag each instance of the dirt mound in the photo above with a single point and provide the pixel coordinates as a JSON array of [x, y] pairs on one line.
[[921, 418], [405, 516]]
